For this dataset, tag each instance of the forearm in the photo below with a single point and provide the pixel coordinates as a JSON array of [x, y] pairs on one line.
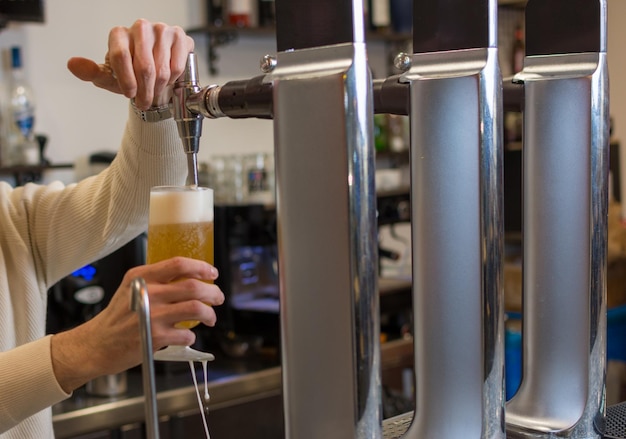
[[74, 359]]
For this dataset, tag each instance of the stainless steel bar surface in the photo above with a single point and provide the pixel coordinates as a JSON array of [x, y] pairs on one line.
[[323, 126], [565, 165], [457, 229]]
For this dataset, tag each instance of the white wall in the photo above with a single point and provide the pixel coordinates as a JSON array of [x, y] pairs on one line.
[[617, 66], [80, 119]]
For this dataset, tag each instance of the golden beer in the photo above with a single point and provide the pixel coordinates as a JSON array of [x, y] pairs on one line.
[[181, 224], [193, 240]]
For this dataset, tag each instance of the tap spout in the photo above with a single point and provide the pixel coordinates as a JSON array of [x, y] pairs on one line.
[[189, 123]]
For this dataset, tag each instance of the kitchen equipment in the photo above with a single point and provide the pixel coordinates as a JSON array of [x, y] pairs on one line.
[[246, 255], [81, 295], [108, 385]]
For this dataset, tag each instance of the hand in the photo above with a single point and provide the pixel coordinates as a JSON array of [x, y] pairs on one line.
[[142, 62], [110, 342]]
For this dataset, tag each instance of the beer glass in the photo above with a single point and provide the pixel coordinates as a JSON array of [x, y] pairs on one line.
[[181, 224]]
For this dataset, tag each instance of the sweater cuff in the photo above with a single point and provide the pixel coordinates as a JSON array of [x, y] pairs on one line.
[[159, 138], [28, 381]]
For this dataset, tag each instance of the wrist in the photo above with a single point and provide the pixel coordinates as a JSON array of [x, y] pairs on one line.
[[155, 113], [72, 360]]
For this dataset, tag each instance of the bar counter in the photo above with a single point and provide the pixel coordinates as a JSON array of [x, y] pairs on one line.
[[231, 382]]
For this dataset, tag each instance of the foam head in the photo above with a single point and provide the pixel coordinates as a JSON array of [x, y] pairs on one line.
[[180, 204]]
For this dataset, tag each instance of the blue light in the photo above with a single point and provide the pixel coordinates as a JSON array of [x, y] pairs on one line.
[[87, 272]]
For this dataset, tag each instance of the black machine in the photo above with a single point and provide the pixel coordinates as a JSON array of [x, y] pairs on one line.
[[84, 293], [247, 259]]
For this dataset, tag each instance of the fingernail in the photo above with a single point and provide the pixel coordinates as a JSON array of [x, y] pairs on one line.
[[214, 272]]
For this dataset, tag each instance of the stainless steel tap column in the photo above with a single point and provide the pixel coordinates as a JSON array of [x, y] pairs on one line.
[[323, 126], [565, 165], [457, 220]]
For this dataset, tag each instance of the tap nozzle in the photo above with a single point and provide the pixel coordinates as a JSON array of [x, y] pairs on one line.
[[189, 123]]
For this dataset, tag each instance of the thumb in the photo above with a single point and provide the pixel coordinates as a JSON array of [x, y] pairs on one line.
[[98, 74]]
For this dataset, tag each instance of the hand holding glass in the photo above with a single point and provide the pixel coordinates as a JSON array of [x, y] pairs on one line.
[[181, 224]]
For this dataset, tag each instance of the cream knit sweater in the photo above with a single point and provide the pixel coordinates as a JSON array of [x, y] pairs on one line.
[[46, 232]]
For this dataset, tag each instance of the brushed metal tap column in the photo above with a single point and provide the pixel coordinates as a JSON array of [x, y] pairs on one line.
[[323, 126], [565, 165], [456, 191]]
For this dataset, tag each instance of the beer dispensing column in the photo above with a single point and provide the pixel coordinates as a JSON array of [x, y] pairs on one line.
[[565, 165], [455, 109], [323, 128], [318, 90]]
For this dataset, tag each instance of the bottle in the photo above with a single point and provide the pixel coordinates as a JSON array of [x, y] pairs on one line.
[[23, 148], [267, 13], [379, 15], [259, 175], [240, 13], [215, 12], [519, 51], [381, 138]]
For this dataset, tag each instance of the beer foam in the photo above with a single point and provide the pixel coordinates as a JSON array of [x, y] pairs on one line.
[[181, 206]]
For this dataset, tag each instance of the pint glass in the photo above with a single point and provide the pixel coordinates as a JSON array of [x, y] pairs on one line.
[[180, 224]]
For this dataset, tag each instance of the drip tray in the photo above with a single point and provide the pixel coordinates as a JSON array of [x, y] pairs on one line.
[[615, 422], [614, 428], [394, 428]]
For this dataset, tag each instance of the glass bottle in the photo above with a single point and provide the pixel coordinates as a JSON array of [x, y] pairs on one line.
[[519, 51], [23, 148]]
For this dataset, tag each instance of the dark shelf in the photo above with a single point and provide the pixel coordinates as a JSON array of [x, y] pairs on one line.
[[234, 31], [221, 35], [226, 34], [30, 173], [228, 29]]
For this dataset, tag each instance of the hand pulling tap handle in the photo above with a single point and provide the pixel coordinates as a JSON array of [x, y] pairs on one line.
[[140, 303], [189, 122]]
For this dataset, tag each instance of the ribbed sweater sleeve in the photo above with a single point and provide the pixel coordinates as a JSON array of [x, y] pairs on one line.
[[46, 232], [81, 223], [40, 391]]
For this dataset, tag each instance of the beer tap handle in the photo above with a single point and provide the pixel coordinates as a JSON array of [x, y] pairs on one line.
[[189, 122]]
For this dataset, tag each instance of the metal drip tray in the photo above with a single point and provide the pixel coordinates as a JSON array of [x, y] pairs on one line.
[[394, 428], [615, 427]]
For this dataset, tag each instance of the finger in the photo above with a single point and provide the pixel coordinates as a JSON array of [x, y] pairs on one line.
[[83, 68], [120, 59], [162, 55], [99, 74], [186, 290], [142, 35], [175, 268], [191, 310], [170, 336], [181, 47]]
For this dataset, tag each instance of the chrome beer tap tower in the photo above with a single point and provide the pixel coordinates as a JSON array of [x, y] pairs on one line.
[[565, 205], [322, 98]]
